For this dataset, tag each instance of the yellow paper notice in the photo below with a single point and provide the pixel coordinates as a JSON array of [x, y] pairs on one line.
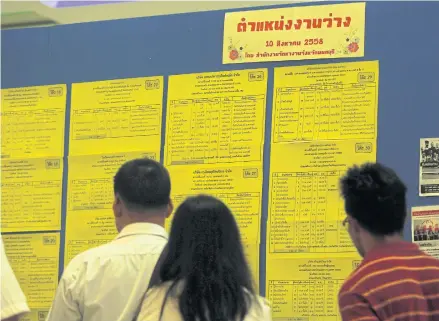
[[306, 289], [34, 259], [319, 102], [295, 33], [90, 220], [87, 229], [216, 117], [252, 253], [306, 210], [36, 315], [31, 191], [126, 113], [32, 120], [240, 188]]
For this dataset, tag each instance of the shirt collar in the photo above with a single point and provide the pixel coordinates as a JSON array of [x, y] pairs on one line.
[[143, 229], [391, 249]]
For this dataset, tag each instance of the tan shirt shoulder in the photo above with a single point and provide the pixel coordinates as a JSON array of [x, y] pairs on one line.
[[152, 306]]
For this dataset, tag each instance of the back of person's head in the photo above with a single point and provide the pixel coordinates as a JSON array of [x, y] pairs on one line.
[[141, 185], [206, 258], [375, 197]]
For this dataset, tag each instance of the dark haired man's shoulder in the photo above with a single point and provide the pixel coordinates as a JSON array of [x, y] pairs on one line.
[[353, 278], [109, 253], [82, 259], [386, 274]]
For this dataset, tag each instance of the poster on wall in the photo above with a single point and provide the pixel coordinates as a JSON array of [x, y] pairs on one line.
[[425, 229], [122, 112], [317, 133], [295, 33], [32, 121], [429, 167], [34, 259], [215, 129]]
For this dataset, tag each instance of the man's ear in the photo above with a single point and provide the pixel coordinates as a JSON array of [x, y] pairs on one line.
[[117, 206], [170, 208]]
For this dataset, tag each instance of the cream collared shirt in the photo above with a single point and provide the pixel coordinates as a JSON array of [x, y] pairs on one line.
[[152, 305], [100, 283], [13, 300]]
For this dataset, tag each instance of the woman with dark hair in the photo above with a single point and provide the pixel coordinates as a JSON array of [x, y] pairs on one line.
[[205, 275]]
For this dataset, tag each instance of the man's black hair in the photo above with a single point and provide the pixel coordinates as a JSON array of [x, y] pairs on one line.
[[143, 184], [375, 196]]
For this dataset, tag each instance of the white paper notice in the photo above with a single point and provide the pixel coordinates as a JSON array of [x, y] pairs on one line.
[[429, 167], [425, 229]]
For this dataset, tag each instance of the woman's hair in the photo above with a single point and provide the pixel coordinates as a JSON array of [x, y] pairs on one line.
[[205, 253]]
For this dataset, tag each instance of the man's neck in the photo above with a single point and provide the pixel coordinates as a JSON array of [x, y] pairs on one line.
[[146, 217], [378, 242]]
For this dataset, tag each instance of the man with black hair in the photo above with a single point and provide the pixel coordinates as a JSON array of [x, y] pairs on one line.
[[396, 280], [97, 284]]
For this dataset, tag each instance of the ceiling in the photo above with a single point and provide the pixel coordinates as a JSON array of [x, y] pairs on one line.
[[22, 14]]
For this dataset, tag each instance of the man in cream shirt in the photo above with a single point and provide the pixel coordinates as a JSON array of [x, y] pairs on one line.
[[13, 304], [98, 284]]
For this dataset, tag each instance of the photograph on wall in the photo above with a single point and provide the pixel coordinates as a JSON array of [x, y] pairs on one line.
[[429, 167], [425, 229]]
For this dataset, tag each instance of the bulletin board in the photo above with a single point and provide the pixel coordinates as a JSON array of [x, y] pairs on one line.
[[401, 36]]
